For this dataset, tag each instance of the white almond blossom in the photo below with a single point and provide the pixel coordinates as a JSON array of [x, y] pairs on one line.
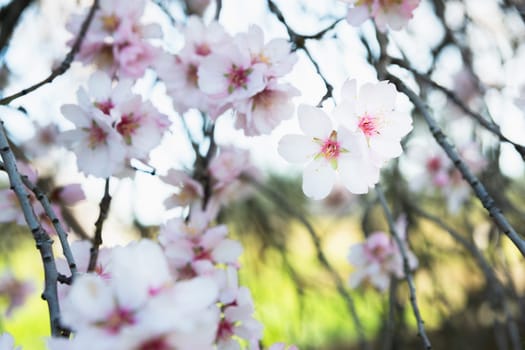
[[328, 152]]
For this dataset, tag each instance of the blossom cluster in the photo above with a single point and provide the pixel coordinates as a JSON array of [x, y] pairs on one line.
[[117, 40], [112, 126], [438, 173], [10, 211], [182, 293], [369, 133], [386, 13], [224, 175], [215, 72], [379, 258], [14, 291]]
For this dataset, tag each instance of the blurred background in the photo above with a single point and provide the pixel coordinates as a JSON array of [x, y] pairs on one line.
[[470, 279]]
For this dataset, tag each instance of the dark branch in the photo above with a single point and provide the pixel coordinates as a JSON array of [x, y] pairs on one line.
[[66, 63], [406, 269], [479, 189], [96, 242], [43, 242]]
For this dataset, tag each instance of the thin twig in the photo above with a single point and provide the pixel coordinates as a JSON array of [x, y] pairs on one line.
[[406, 269], [282, 202], [299, 42], [66, 63], [105, 202], [479, 189], [43, 241], [50, 212], [59, 228], [218, 8]]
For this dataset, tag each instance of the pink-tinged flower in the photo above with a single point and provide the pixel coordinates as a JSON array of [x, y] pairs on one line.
[[140, 306], [14, 291], [141, 127], [10, 210], [379, 258], [116, 41], [186, 244], [372, 113], [133, 56], [44, 140], [81, 253], [230, 75], [261, 113], [180, 76], [226, 170], [112, 126], [276, 55], [7, 342], [68, 195], [392, 13], [328, 152], [434, 172], [228, 165], [138, 272], [202, 40], [189, 191], [238, 321], [180, 72], [465, 85], [96, 144], [101, 94]]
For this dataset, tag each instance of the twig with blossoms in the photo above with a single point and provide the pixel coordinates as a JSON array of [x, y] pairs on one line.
[[282, 202], [479, 189], [66, 63], [105, 202], [298, 41], [42, 239], [487, 124], [406, 268], [50, 212]]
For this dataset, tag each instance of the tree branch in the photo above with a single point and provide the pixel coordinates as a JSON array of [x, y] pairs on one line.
[[479, 189], [66, 63], [406, 269], [42, 239], [96, 242]]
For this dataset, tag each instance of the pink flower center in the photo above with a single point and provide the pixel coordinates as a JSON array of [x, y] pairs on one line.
[[127, 126], [118, 319], [105, 106], [202, 49], [225, 329], [368, 125], [331, 148], [237, 78], [155, 344], [377, 253], [97, 135], [434, 164]]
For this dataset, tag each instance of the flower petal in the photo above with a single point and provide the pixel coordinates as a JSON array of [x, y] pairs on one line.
[[297, 148], [318, 179], [314, 122]]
